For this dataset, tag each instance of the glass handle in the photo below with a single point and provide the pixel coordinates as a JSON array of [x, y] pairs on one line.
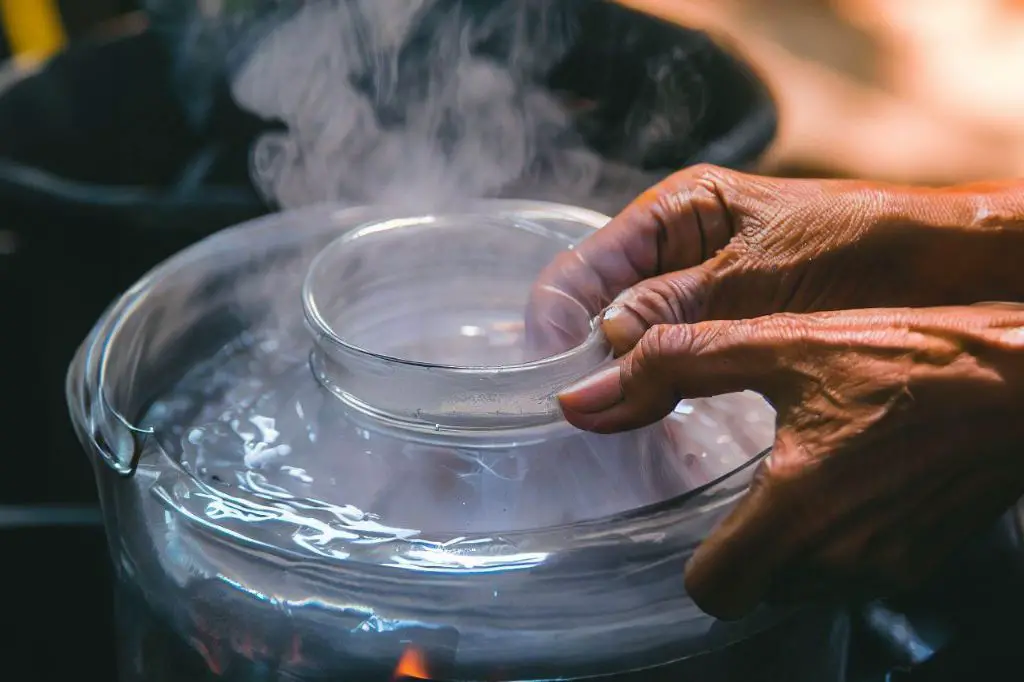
[[119, 444]]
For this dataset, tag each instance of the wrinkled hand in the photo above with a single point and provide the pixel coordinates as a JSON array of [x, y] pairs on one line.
[[709, 243], [897, 430], [899, 434]]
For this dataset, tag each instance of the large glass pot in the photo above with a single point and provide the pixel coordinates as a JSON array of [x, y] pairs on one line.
[[326, 449]]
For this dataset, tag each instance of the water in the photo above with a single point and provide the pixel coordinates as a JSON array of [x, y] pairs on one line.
[[253, 417]]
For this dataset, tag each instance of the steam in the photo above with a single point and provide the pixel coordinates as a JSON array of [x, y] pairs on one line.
[[396, 102]]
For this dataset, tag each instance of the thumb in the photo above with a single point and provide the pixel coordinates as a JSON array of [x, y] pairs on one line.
[[674, 362]]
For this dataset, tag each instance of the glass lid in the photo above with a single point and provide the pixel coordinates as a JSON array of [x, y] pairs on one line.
[[383, 368]]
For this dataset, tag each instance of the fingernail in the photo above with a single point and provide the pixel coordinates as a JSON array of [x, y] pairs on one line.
[[596, 393], [622, 327], [611, 313]]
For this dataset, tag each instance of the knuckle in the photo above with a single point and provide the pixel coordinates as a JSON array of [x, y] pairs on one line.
[[654, 302], [713, 184], [668, 206], [674, 193], [657, 344], [667, 300], [707, 172], [699, 199], [649, 350], [690, 295]]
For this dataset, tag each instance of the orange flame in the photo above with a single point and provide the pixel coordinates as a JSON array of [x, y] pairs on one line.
[[412, 665]]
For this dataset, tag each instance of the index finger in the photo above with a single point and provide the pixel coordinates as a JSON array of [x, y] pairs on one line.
[[676, 224]]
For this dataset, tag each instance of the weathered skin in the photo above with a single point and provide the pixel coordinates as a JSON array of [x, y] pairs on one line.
[[860, 311]]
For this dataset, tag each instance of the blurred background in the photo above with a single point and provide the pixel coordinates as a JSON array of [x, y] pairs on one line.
[[922, 91]]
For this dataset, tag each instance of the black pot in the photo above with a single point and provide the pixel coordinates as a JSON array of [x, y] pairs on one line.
[[100, 179], [102, 175]]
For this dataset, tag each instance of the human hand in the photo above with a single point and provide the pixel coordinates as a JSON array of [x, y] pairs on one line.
[[898, 436], [709, 243]]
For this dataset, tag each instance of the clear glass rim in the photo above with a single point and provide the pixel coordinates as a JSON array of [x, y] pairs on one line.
[[326, 334]]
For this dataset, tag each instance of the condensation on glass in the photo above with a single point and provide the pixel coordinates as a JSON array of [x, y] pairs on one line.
[[324, 439]]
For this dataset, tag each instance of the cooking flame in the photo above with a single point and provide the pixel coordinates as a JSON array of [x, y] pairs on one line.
[[412, 665]]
